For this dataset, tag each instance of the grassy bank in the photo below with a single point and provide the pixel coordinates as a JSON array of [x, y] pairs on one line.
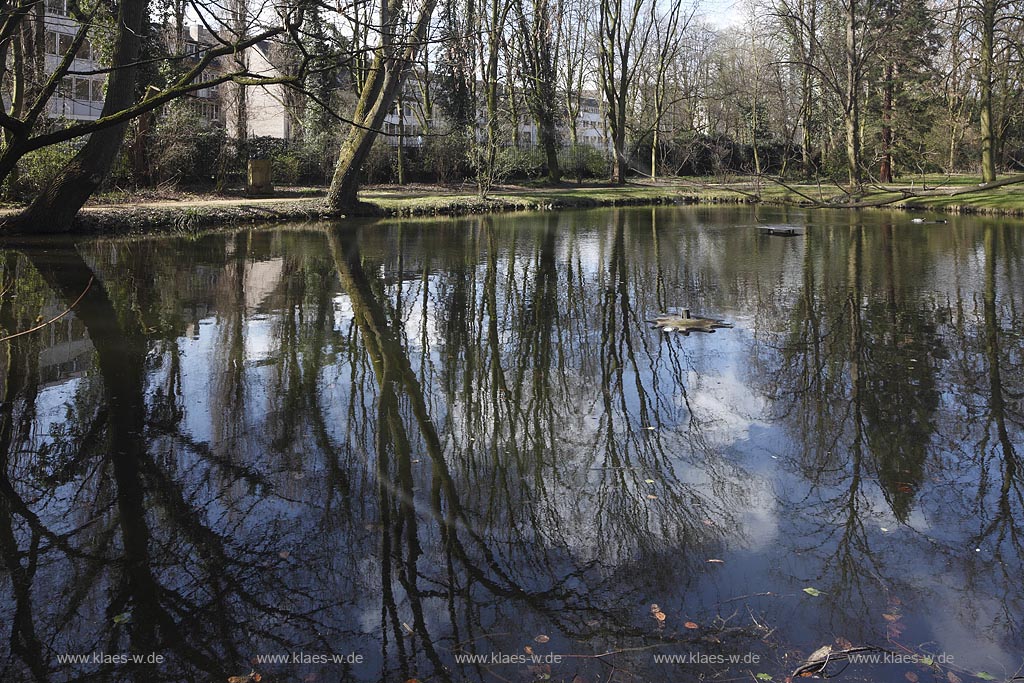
[[195, 212], [188, 213]]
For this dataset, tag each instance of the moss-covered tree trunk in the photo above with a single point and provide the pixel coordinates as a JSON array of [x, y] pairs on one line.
[[55, 207], [376, 99]]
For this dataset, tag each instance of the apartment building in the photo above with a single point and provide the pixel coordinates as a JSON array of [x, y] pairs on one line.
[[271, 110], [405, 124], [79, 97], [81, 93], [207, 102]]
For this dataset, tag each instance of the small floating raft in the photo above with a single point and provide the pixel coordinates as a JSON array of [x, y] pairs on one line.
[[780, 232], [685, 324]]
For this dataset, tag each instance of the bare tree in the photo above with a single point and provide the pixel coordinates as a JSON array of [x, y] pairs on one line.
[[623, 35]]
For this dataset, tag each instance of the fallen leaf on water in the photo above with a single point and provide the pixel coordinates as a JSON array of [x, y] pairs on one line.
[[813, 592], [714, 561], [123, 618], [251, 677], [985, 676], [528, 650], [651, 496], [655, 608], [763, 677], [891, 617], [284, 554], [542, 638], [927, 661], [911, 676], [691, 625], [648, 481], [660, 616], [408, 629], [843, 643], [952, 677]]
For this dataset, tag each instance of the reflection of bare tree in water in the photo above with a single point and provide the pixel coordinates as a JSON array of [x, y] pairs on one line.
[[137, 543], [854, 380], [507, 480], [461, 450], [992, 432]]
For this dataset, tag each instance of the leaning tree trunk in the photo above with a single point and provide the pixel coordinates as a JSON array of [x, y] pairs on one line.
[[375, 101], [55, 207]]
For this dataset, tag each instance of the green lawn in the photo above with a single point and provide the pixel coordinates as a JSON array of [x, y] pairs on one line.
[[1009, 199]]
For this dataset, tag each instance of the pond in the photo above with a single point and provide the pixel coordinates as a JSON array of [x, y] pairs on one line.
[[457, 450]]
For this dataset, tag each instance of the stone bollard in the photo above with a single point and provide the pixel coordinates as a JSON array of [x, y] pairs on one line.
[[259, 177]]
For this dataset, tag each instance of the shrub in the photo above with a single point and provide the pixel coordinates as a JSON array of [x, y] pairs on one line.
[[380, 163], [185, 149], [286, 168], [445, 158], [36, 168]]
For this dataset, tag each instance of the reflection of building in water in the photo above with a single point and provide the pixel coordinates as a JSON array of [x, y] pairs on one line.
[[66, 352]]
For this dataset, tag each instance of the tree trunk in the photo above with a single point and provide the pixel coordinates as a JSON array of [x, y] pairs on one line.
[[621, 168], [55, 208], [885, 171], [550, 144], [987, 59], [852, 104], [807, 92], [654, 153], [401, 138], [375, 100]]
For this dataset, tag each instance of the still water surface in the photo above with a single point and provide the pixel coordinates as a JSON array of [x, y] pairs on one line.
[[402, 443]]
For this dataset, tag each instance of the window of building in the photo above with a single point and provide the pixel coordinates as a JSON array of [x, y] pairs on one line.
[[65, 41], [57, 43], [82, 89]]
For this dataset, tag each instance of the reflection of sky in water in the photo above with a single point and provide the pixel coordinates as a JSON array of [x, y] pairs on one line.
[[625, 483]]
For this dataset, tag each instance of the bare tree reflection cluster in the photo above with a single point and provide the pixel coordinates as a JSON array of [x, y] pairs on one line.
[[419, 439]]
